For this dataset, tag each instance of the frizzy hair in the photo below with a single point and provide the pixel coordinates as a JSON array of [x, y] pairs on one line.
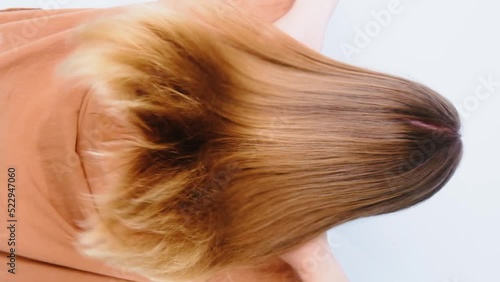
[[243, 143]]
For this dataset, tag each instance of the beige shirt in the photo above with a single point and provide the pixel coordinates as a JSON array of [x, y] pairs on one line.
[[44, 126]]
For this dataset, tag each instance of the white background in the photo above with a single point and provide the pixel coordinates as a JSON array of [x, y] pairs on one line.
[[451, 46]]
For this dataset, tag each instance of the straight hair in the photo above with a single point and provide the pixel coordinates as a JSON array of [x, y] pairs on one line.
[[241, 143]]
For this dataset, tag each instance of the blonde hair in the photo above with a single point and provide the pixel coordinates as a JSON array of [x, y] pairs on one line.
[[243, 143]]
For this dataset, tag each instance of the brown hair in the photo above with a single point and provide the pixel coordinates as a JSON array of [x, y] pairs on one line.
[[244, 143]]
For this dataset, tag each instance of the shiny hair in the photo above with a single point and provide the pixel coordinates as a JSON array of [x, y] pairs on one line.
[[241, 143]]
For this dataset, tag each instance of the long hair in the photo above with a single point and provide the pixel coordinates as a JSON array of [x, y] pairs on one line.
[[242, 143]]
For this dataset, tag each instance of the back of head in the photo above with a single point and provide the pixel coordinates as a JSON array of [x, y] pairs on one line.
[[246, 143]]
